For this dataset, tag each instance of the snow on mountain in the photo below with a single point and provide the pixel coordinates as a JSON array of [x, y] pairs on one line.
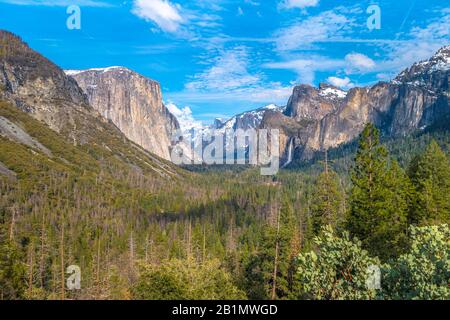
[[103, 70], [249, 119], [414, 75], [327, 92]]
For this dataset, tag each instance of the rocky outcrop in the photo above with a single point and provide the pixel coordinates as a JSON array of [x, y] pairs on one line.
[[312, 103], [133, 103], [4, 171], [37, 86], [15, 133], [218, 123], [249, 119], [417, 98], [327, 117]]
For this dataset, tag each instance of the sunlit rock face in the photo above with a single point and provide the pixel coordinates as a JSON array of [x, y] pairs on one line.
[[312, 103], [327, 117], [133, 103], [39, 87], [36, 85]]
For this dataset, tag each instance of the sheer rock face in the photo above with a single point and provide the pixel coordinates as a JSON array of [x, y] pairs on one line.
[[39, 87], [308, 102], [328, 116], [133, 103]]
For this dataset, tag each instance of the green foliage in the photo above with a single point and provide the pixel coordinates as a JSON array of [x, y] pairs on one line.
[[379, 199], [337, 271], [327, 206], [185, 280], [12, 272], [15, 51], [118, 286], [424, 272], [105, 208], [269, 272], [430, 174]]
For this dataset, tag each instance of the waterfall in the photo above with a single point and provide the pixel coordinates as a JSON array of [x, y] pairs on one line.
[[290, 152]]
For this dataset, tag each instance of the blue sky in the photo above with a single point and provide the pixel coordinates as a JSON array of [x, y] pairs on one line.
[[222, 57]]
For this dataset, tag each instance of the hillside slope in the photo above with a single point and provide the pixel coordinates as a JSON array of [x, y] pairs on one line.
[[40, 89]]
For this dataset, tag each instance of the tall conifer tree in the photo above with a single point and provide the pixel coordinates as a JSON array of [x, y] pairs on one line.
[[430, 175], [327, 206], [268, 272], [379, 197]]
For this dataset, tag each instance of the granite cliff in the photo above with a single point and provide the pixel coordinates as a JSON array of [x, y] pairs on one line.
[[133, 103]]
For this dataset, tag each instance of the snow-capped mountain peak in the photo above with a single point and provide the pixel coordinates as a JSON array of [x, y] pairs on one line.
[[329, 91], [103, 70], [439, 62]]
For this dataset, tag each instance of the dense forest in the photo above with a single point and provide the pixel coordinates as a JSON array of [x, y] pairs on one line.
[[311, 232]]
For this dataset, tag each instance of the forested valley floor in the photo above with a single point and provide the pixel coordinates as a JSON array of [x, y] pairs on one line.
[[311, 232]]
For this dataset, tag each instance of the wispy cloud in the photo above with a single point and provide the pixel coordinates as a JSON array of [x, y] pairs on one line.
[[228, 71], [307, 66], [272, 92], [289, 4], [420, 42], [228, 77], [295, 42], [302, 34]]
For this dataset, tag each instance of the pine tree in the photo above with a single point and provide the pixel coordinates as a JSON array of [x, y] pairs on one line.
[[328, 201], [379, 198], [390, 233], [430, 175], [12, 269], [268, 272]]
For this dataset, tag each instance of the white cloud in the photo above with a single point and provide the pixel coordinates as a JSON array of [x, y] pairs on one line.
[[194, 21], [302, 34], [306, 67], [184, 117], [263, 94], [163, 13], [252, 3], [273, 92], [343, 83], [299, 3], [228, 78], [228, 71], [359, 62], [421, 44]]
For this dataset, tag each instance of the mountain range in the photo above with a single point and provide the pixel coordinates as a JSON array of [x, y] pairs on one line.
[[46, 111], [80, 104], [317, 119]]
